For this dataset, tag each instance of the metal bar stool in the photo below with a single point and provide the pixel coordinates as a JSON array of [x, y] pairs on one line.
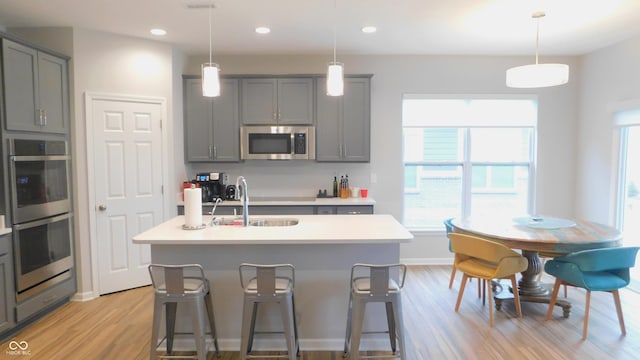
[[373, 283], [268, 284], [186, 284]]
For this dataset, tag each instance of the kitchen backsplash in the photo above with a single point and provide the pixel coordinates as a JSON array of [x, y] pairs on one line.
[[287, 178]]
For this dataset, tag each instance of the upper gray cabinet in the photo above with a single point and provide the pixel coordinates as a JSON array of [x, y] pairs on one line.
[[212, 125], [282, 101], [35, 89], [343, 123]]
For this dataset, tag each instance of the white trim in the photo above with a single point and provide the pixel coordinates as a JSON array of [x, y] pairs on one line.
[[89, 98], [85, 296]]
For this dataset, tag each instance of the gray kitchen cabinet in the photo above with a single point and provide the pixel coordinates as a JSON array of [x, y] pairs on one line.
[[212, 127], [282, 101], [7, 320], [281, 210], [343, 123], [344, 209], [35, 88]]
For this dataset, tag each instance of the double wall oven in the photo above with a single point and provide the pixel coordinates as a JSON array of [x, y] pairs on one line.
[[41, 217]]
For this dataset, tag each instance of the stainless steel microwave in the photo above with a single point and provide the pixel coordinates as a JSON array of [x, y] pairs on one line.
[[278, 142]]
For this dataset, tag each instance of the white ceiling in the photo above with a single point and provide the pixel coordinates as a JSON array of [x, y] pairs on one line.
[[451, 27]]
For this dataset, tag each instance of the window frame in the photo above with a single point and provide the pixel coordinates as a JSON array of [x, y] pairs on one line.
[[466, 164]]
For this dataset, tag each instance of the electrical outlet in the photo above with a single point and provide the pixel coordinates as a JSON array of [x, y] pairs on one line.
[[225, 178]]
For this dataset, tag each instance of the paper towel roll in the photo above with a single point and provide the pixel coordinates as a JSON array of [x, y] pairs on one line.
[[193, 207]]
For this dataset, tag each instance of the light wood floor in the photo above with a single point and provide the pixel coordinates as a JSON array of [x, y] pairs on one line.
[[118, 326]]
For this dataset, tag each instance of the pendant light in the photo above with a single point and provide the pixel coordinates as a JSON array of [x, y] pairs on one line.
[[210, 70], [537, 75], [335, 71]]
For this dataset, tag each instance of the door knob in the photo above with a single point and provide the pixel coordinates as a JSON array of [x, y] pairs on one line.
[[102, 207]]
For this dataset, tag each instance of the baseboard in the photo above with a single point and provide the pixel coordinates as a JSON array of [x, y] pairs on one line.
[[85, 296], [186, 343]]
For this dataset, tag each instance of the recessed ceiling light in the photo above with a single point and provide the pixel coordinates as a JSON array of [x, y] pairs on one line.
[[158, 32], [369, 29], [263, 30]]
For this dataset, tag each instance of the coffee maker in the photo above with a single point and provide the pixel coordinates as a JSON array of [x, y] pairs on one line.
[[212, 185]]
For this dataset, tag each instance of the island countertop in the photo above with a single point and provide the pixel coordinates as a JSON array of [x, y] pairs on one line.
[[311, 229]]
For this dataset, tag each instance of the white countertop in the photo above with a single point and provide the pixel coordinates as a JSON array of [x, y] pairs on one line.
[[5, 230], [292, 201], [311, 229]]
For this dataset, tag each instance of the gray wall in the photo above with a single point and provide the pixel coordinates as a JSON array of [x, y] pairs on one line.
[[574, 153], [398, 75], [611, 82]]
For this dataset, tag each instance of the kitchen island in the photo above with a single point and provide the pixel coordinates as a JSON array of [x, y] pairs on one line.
[[322, 248]]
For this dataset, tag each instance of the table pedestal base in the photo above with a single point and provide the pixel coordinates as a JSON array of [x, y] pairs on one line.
[[531, 290]]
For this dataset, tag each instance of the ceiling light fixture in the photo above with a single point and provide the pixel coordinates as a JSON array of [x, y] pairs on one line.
[[158, 32], [335, 71], [369, 29], [537, 75], [263, 30], [210, 70]]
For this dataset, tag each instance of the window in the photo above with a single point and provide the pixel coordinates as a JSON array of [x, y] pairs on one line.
[[629, 174], [466, 156], [628, 202]]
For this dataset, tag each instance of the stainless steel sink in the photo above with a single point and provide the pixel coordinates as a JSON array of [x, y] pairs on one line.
[[273, 222]]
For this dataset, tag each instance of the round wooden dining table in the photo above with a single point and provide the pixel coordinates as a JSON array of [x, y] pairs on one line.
[[536, 235]]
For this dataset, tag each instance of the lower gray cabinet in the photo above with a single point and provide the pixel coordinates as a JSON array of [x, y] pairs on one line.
[[287, 210], [7, 305]]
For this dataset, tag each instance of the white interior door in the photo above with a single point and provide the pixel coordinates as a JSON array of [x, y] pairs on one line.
[[128, 188]]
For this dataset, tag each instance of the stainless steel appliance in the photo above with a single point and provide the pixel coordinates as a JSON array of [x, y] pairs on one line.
[[212, 185], [39, 172], [42, 254], [278, 142]]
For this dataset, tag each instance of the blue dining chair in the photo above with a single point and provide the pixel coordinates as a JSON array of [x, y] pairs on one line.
[[604, 269]]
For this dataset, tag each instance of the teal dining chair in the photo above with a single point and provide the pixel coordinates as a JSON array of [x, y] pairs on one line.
[[604, 269]]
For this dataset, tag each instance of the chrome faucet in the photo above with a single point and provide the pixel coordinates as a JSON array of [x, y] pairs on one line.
[[213, 210], [243, 192]]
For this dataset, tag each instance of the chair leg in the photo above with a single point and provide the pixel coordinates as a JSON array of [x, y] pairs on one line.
[[586, 315], [157, 316], [391, 324], [246, 327], [356, 329], [212, 322], [490, 291], [516, 295], [197, 321], [554, 297], [288, 319], [616, 299], [461, 291], [453, 275], [397, 308], [170, 309], [347, 336]]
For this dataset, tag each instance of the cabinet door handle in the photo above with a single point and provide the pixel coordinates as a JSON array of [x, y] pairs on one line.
[[215, 152], [44, 123], [210, 152], [39, 118]]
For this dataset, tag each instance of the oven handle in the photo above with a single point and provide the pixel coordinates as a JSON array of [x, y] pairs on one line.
[[42, 221], [16, 158]]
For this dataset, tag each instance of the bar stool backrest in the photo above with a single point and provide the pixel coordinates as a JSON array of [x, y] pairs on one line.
[[379, 278], [177, 279], [267, 279]]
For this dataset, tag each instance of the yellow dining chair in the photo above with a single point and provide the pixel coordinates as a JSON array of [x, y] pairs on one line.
[[487, 260], [604, 269], [448, 225]]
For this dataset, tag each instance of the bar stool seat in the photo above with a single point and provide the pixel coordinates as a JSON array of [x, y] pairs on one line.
[[376, 286], [186, 284], [268, 284]]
